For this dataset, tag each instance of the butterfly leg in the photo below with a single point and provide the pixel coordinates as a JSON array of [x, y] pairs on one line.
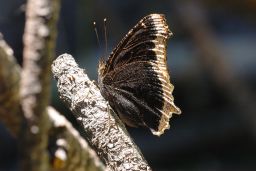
[[111, 122]]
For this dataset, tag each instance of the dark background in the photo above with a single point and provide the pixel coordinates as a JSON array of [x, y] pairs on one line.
[[212, 63]]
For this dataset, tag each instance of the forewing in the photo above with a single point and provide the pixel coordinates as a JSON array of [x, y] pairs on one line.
[[141, 43]]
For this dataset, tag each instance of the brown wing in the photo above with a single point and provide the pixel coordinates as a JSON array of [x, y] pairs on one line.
[[135, 78]]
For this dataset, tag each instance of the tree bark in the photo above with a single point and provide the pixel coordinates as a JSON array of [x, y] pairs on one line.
[[69, 151], [39, 47], [46, 139], [104, 131]]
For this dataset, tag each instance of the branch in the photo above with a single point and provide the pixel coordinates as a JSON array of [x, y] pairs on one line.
[[39, 44], [103, 131], [213, 58], [10, 113], [69, 150]]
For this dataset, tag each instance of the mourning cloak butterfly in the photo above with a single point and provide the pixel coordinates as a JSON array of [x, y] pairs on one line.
[[135, 78]]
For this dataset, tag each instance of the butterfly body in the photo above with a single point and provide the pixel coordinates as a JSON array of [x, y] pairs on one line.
[[135, 78]]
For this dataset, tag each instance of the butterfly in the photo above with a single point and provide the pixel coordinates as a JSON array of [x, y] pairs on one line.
[[135, 78]]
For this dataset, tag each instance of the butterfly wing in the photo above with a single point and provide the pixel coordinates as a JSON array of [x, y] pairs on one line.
[[135, 78]]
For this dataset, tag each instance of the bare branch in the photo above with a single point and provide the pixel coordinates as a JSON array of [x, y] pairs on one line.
[[10, 113], [69, 150], [103, 131], [213, 58], [39, 45]]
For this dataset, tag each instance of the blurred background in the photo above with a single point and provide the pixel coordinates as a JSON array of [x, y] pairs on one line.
[[212, 63]]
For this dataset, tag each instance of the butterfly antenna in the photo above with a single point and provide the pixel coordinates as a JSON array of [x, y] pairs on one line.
[[105, 35], [96, 32]]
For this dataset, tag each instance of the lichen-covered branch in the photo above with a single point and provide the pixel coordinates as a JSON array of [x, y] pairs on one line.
[[39, 44], [69, 151], [104, 132], [10, 113]]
